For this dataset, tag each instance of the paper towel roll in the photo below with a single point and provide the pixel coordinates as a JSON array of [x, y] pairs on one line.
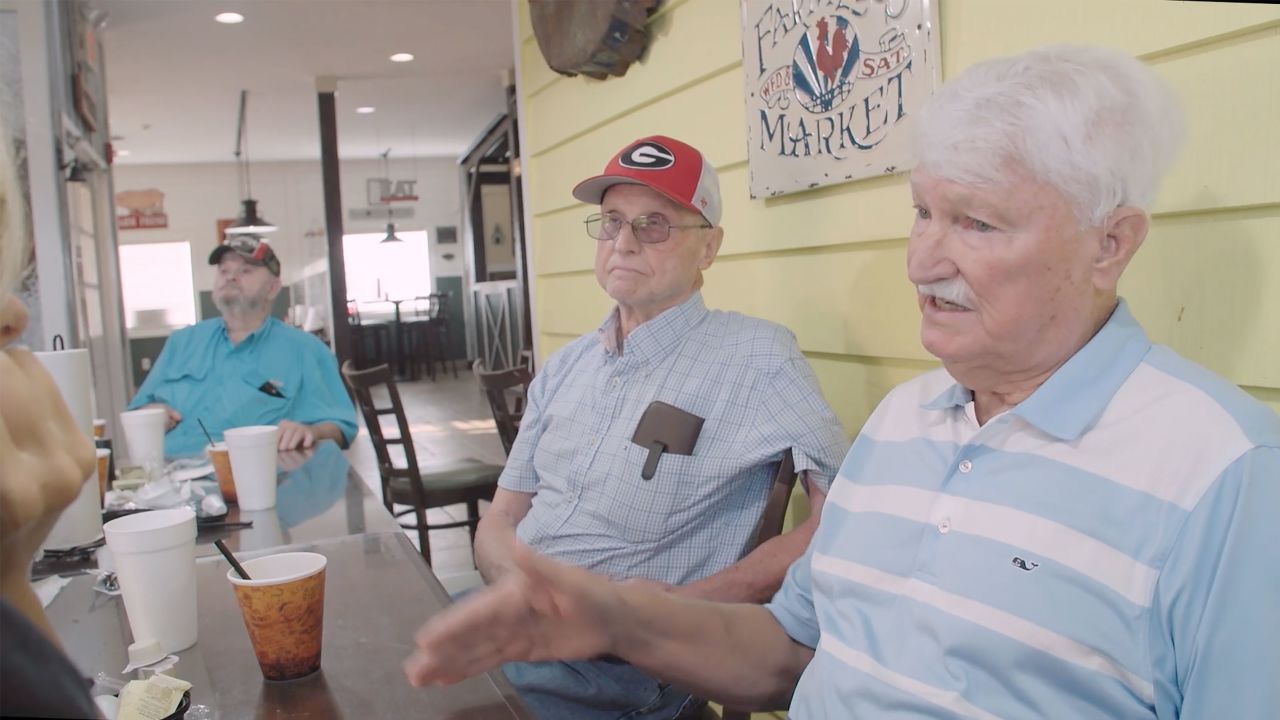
[[81, 522], [71, 372]]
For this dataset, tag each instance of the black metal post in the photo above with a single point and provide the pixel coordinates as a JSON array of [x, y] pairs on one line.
[[333, 223]]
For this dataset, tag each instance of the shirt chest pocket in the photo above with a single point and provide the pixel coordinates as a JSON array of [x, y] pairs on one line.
[[640, 510], [249, 402], [181, 385], [176, 373]]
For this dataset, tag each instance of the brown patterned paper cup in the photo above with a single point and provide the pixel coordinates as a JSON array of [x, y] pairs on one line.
[[217, 453], [283, 609], [104, 472]]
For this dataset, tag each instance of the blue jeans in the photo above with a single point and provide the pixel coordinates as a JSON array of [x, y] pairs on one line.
[[594, 690]]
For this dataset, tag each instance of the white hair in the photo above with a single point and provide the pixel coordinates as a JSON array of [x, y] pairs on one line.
[[1093, 122]]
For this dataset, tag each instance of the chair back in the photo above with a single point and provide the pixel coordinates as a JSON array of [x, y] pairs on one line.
[[439, 309], [420, 307], [505, 402], [362, 384], [775, 510], [771, 520]]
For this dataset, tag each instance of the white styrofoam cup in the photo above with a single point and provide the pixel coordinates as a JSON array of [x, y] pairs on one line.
[[252, 451], [155, 559], [144, 435]]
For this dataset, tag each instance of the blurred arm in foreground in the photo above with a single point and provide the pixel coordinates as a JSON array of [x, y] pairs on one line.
[[547, 610]]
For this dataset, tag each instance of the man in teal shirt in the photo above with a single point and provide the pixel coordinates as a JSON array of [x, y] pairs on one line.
[[246, 367]]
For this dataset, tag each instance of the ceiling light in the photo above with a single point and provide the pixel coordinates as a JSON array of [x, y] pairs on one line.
[[229, 18], [391, 235], [248, 221], [402, 57], [122, 153], [365, 109], [391, 226]]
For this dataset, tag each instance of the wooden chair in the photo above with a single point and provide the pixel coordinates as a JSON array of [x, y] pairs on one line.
[[771, 521], [507, 391], [371, 341], [426, 335], [419, 487], [416, 337], [775, 508], [441, 340]]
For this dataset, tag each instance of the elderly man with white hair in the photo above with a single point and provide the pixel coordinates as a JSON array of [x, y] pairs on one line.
[[1064, 521]]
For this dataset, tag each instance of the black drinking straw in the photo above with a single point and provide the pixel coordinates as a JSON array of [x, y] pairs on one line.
[[206, 431], [222, 548]]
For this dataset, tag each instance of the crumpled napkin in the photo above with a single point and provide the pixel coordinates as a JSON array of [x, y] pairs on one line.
[[48, 588]]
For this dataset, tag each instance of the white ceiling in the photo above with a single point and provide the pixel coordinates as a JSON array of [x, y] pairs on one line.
[[174, 76]]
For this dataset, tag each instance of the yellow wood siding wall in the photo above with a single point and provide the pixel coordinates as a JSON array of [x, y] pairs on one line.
[[830, 263]]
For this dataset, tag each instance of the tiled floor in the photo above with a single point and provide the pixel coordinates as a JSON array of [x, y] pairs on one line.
[[449, 419]]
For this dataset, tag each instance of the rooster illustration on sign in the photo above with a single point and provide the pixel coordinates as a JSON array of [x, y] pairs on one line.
[[822, 69]]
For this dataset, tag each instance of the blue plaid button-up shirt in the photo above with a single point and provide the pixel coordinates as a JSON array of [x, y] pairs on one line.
[[591, 508]]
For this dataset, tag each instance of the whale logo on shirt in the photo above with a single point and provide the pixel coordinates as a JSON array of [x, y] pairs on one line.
[[1025, 564]]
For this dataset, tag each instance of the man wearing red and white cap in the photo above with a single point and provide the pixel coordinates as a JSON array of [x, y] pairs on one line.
[[246, 367], [573, 486]]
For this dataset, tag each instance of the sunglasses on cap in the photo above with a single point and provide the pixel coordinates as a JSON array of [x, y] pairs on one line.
[[253, 248]]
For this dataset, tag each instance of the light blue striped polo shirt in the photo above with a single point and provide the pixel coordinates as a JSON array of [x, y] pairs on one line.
[[1106, 549], [744, 376]]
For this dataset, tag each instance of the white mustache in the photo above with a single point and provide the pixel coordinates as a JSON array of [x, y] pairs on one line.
[[953, 290]]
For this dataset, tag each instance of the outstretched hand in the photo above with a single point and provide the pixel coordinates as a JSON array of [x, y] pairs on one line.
[[541, 610]]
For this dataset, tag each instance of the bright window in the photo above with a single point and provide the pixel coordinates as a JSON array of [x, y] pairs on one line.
[[379, 271], [156, 283]]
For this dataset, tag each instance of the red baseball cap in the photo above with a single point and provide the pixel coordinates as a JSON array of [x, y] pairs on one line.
[[665, 165]]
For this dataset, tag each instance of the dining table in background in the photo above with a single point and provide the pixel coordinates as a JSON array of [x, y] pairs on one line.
[[398, 360]]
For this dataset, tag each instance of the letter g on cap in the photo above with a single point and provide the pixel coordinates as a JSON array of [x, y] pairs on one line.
[[647, 156]]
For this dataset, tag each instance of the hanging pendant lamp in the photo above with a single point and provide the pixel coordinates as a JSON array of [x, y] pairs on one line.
[[391, 227], [391, 235], [248, 221]]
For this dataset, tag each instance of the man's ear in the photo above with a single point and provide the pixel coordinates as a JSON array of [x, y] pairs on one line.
[[712, 248], [1123, 231], [276, 286]]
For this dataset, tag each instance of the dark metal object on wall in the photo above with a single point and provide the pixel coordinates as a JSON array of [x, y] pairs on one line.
[[596, 38]]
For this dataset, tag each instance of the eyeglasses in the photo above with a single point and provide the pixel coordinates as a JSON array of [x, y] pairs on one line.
[[648, 229]]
